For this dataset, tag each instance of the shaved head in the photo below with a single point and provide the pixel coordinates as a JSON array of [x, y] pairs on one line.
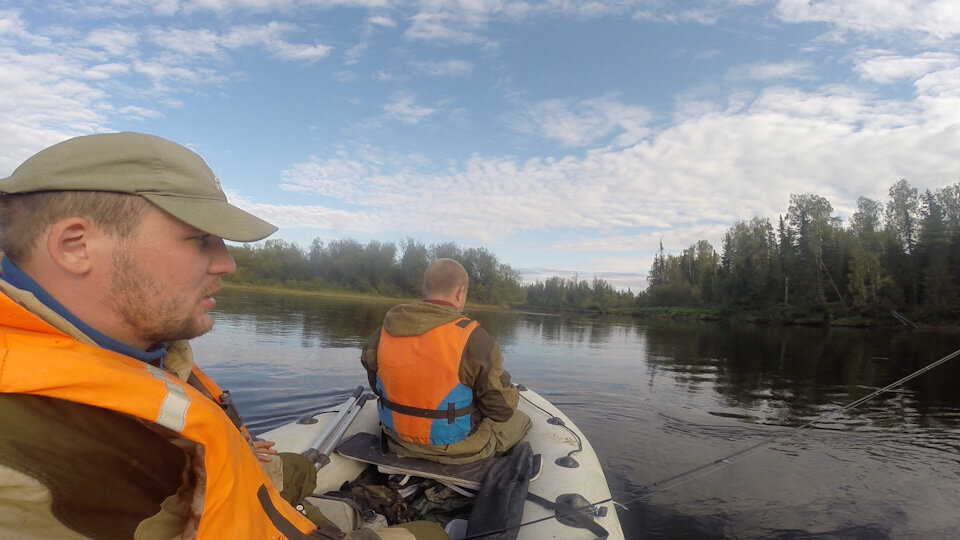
[[443, 277]]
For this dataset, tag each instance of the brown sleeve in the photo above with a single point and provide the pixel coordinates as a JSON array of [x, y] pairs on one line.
[[368, 357], [481, 368]]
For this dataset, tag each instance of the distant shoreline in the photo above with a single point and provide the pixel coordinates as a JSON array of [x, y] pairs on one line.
[[767, 317]]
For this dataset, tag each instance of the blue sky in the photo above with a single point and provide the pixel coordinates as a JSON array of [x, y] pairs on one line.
[[567, 137]]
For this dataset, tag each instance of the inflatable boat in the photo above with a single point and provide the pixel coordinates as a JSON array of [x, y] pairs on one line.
[[564, 494]]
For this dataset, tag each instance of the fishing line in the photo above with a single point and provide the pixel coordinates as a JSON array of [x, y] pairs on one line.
[[715, 465]]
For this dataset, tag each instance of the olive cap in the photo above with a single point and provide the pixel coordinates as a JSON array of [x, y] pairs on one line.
[[171, 176]]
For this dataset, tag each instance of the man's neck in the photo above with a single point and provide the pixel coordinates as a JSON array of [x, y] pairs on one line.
[[13, 275], [440, 302]]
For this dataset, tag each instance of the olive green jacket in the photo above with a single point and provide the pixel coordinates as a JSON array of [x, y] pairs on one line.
[[481, 364]]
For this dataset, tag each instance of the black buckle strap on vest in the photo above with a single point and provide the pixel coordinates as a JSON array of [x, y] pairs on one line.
[[451, 413], [226, 403]]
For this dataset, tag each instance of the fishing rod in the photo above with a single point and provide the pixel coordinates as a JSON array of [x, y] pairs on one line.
[[702, 470]]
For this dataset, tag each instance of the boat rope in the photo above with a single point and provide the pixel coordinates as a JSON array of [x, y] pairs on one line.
[[555, 420], [700, 471]]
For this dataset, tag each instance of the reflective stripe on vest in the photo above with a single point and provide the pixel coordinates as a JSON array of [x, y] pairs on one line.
[[423, 372], [232, 489]]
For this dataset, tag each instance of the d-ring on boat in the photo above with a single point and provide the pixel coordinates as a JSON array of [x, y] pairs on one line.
[[567, 497]]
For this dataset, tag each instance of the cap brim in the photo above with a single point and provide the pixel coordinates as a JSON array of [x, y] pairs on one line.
[[214, 216]]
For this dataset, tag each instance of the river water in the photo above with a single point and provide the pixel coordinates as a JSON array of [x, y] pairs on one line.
[[659, 399]]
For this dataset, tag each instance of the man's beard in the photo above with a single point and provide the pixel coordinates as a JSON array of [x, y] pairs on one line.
[[156, 315]]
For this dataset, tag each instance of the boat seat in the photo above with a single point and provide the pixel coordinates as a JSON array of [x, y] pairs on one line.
[[365, 447]]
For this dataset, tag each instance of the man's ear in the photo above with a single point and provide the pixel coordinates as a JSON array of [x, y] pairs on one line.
[[69, 244], [461, 296]]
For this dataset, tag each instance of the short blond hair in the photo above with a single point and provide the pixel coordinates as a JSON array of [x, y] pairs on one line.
[[443, 277], [24, 217]]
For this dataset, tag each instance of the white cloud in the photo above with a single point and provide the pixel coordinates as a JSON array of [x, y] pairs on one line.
[[10, 22], [447, 27], [446, 68], [206, 42], [402, 107], [353, 54], [106, 71], [385, 76], [335, 177], [163, 74], [132, 111], [115, 41], [320, 217], [580, 124], [888, 68], [705, 13], [196, 42], [938, 18], [43, 100], [381, 20], [765, 71], [291, 51]]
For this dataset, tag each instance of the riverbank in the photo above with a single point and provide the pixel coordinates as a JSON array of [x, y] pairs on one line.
[[835, 316], [830, 315]]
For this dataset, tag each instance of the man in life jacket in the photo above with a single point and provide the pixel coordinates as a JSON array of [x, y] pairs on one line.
[[444, 395], [112, 249]]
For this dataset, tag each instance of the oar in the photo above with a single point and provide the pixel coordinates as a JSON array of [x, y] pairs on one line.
[[312, 453], [327, 447]]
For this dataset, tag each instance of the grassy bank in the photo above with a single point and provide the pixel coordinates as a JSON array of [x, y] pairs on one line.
[[287, 289], [831, 315]]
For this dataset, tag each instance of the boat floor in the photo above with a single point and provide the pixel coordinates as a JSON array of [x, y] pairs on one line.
[[365, 447]]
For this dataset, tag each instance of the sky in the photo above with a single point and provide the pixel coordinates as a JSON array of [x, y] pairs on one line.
[[566, 137]]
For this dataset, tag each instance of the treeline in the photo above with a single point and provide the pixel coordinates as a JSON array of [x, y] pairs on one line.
[[375, 268], [902, 255], [576, 293]]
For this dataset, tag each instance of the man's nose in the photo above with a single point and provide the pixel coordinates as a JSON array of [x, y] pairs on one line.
[[222, 262]]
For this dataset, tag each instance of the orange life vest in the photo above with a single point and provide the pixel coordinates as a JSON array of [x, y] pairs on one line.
[[237, 498], [418, 380]]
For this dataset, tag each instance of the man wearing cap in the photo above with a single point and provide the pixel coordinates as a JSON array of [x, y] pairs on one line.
[[112, 249]]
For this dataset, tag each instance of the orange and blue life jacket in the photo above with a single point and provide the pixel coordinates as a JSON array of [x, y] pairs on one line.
[[418, 380]]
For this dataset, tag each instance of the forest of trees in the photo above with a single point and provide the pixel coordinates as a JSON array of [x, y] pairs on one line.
[[903, 255], [374, 268]]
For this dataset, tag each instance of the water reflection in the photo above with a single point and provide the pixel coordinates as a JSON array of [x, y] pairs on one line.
[[657, 399]]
